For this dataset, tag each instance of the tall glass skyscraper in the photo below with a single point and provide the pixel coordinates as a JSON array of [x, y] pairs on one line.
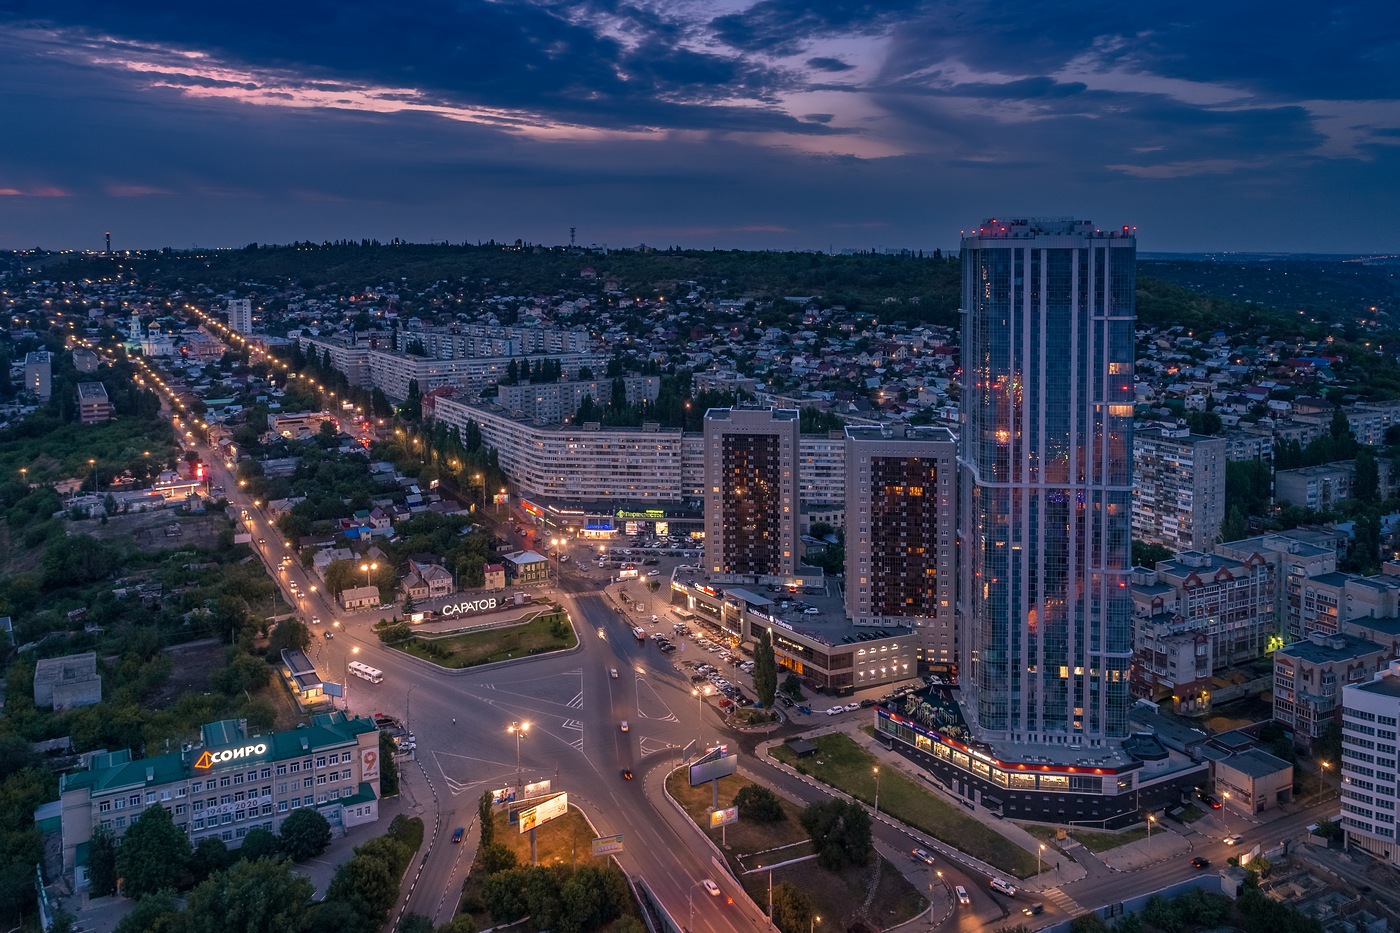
[[1046, 460]]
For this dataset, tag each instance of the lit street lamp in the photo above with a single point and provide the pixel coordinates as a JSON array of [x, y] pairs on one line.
[[518, 729], [1040, 852], [699, 695], [877, 792], [345, 690], [368, 569]]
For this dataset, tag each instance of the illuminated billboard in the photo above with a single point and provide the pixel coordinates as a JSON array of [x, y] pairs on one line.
[[543, 812]]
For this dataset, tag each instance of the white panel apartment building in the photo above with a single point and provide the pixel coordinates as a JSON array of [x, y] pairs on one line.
[[492, 340], [821, 468], [392, 372], [578, 464], [553, 402], [1179, 492], [1370, 714], [350, 360], [589, 465]]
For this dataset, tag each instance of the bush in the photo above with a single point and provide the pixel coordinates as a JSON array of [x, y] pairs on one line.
[[496, 857], [759, 804]]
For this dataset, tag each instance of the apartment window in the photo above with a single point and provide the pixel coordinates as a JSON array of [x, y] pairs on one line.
[[320, 779], [296, 766], [281, 770], [224, 782], [180, 792], [281, 806], [134, 800], [180, 809], [121, 822], [266, 773], [104, 807], [321, 761], [238, 779], [198, 806]]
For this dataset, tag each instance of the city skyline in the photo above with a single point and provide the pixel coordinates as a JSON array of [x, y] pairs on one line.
[[726, 124]]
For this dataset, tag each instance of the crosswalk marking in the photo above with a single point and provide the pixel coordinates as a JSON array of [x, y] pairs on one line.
[[1063, 901]]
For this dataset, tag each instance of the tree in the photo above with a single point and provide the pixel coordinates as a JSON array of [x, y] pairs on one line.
[[765, 670], [759, 804], [792, 909], [368, 884], [1365, 485], [792, 686], [289, 634], [415, 923], [462, 923], [154, 853], [305, 834], [840, 832], [259, 843], [1147, 554], [1235, 526], [388, 766], [209, 856], [496, 857], [257, 896], [154, 913], [102, 863]]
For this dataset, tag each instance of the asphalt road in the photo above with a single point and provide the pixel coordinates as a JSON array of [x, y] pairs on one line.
[[575, 709]]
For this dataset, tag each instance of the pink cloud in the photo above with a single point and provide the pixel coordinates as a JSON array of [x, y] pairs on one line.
[[42, 191]]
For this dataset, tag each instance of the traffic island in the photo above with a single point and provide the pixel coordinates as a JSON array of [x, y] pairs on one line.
[[568, 887], [549, 630], [780, 851]]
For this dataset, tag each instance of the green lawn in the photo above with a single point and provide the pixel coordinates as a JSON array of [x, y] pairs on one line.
[[843, 764], [833, 894], [1093, 841], [535, 637]]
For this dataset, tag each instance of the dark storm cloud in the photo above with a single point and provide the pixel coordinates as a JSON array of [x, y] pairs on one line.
[[468, 119], [783, 27]]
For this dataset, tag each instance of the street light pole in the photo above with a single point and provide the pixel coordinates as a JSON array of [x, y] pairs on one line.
[[518, 729], [700, 715], [1321, 779], [877, 792], [1038, 854]]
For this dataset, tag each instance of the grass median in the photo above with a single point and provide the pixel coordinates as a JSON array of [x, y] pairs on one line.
[[546, 633], [843, 764]]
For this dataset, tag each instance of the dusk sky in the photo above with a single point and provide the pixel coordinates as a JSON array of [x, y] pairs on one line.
[[1254, 126]]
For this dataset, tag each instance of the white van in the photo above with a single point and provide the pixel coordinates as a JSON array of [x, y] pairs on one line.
[[1004, 887]]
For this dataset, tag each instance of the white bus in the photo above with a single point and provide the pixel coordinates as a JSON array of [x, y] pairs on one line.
[[365, 672]]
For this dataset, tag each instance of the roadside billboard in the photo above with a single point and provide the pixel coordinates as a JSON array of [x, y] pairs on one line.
[[543, 812], [538, 789], [504, 795], [606, 845], [723, 817], [711, 768]]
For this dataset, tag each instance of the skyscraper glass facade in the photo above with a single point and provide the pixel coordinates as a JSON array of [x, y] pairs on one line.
[[1046, 455]]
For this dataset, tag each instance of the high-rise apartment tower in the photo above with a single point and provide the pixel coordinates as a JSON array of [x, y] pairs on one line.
[[751, 500], [1046, 457], [901, 531], [240, 315]]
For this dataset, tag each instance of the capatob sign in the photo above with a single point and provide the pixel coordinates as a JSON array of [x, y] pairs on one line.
[[471, 606], [209, 759]]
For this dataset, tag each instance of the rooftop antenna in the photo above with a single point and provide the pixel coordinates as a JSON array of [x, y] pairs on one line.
[[109, 242]]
